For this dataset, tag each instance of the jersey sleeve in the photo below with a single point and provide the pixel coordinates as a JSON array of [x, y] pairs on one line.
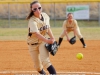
[[33, 26]]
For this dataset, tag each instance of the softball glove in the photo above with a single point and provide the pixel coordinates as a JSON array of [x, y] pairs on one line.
[[73, 40], [52, 48]]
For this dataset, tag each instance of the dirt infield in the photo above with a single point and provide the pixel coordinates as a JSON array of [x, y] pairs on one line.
[[14, 56]]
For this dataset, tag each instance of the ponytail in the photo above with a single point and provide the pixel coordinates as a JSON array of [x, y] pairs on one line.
[[31, 12]]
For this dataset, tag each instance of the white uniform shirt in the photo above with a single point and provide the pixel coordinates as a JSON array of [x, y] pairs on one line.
[[70, 26], [37, 25]]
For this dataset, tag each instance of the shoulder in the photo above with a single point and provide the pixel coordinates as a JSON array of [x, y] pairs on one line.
[[32, 20], [44, 14], [75, 20], [65, 21]]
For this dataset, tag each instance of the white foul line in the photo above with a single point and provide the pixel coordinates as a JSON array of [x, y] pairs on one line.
[[92, 73]]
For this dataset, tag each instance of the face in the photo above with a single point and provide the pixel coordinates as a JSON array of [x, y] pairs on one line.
[[36, 8], [70, 16]]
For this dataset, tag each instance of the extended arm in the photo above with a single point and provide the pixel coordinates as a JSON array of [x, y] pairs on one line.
[[41, 37], [66, 34], [51, 35]]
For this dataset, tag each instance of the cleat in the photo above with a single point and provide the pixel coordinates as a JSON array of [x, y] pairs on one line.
[[84, 46]]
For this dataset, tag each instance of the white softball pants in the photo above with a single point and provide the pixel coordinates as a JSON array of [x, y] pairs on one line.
[[40, 56], [77, 31]]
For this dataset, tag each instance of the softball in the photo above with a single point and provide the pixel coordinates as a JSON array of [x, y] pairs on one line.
[[79, 56]]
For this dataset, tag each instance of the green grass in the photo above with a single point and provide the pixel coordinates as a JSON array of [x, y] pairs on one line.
[[22, 23], [87, 32], [16, 29], [13, 23], [81, 23], [13, 33], [92, 33]]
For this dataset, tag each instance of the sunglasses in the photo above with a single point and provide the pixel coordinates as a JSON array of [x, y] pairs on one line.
[[39, 8]]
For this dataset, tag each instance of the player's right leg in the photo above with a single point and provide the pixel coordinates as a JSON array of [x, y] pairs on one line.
[[61, 38], [34, 52], [82, 41]]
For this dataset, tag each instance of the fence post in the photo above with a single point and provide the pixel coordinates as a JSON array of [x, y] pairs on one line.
[[9, 16], [99, 12], [54, 15]]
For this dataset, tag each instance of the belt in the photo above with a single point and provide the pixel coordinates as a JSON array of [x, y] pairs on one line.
[[33, 44]]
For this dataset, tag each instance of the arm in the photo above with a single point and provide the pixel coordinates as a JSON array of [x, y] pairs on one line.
[[75, 28], [66, 34], [74, 32], [65, 30], [51, 35], [49, 32], [41, 37]]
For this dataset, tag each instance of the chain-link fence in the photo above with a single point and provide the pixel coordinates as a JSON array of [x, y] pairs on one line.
[[14, 15]]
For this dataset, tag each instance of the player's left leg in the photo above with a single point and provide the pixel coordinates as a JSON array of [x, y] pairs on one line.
[[60, 41], [44, 56], [80, 37]]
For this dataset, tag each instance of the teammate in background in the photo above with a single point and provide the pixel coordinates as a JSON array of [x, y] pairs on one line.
[[71, 25], [38, 26]]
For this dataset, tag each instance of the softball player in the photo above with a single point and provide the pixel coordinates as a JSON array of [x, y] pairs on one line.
[[38, 26], [71, 25]]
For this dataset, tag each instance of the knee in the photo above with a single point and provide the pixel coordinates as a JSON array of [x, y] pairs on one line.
[[46, 63], [80, 36], [38, 67]]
